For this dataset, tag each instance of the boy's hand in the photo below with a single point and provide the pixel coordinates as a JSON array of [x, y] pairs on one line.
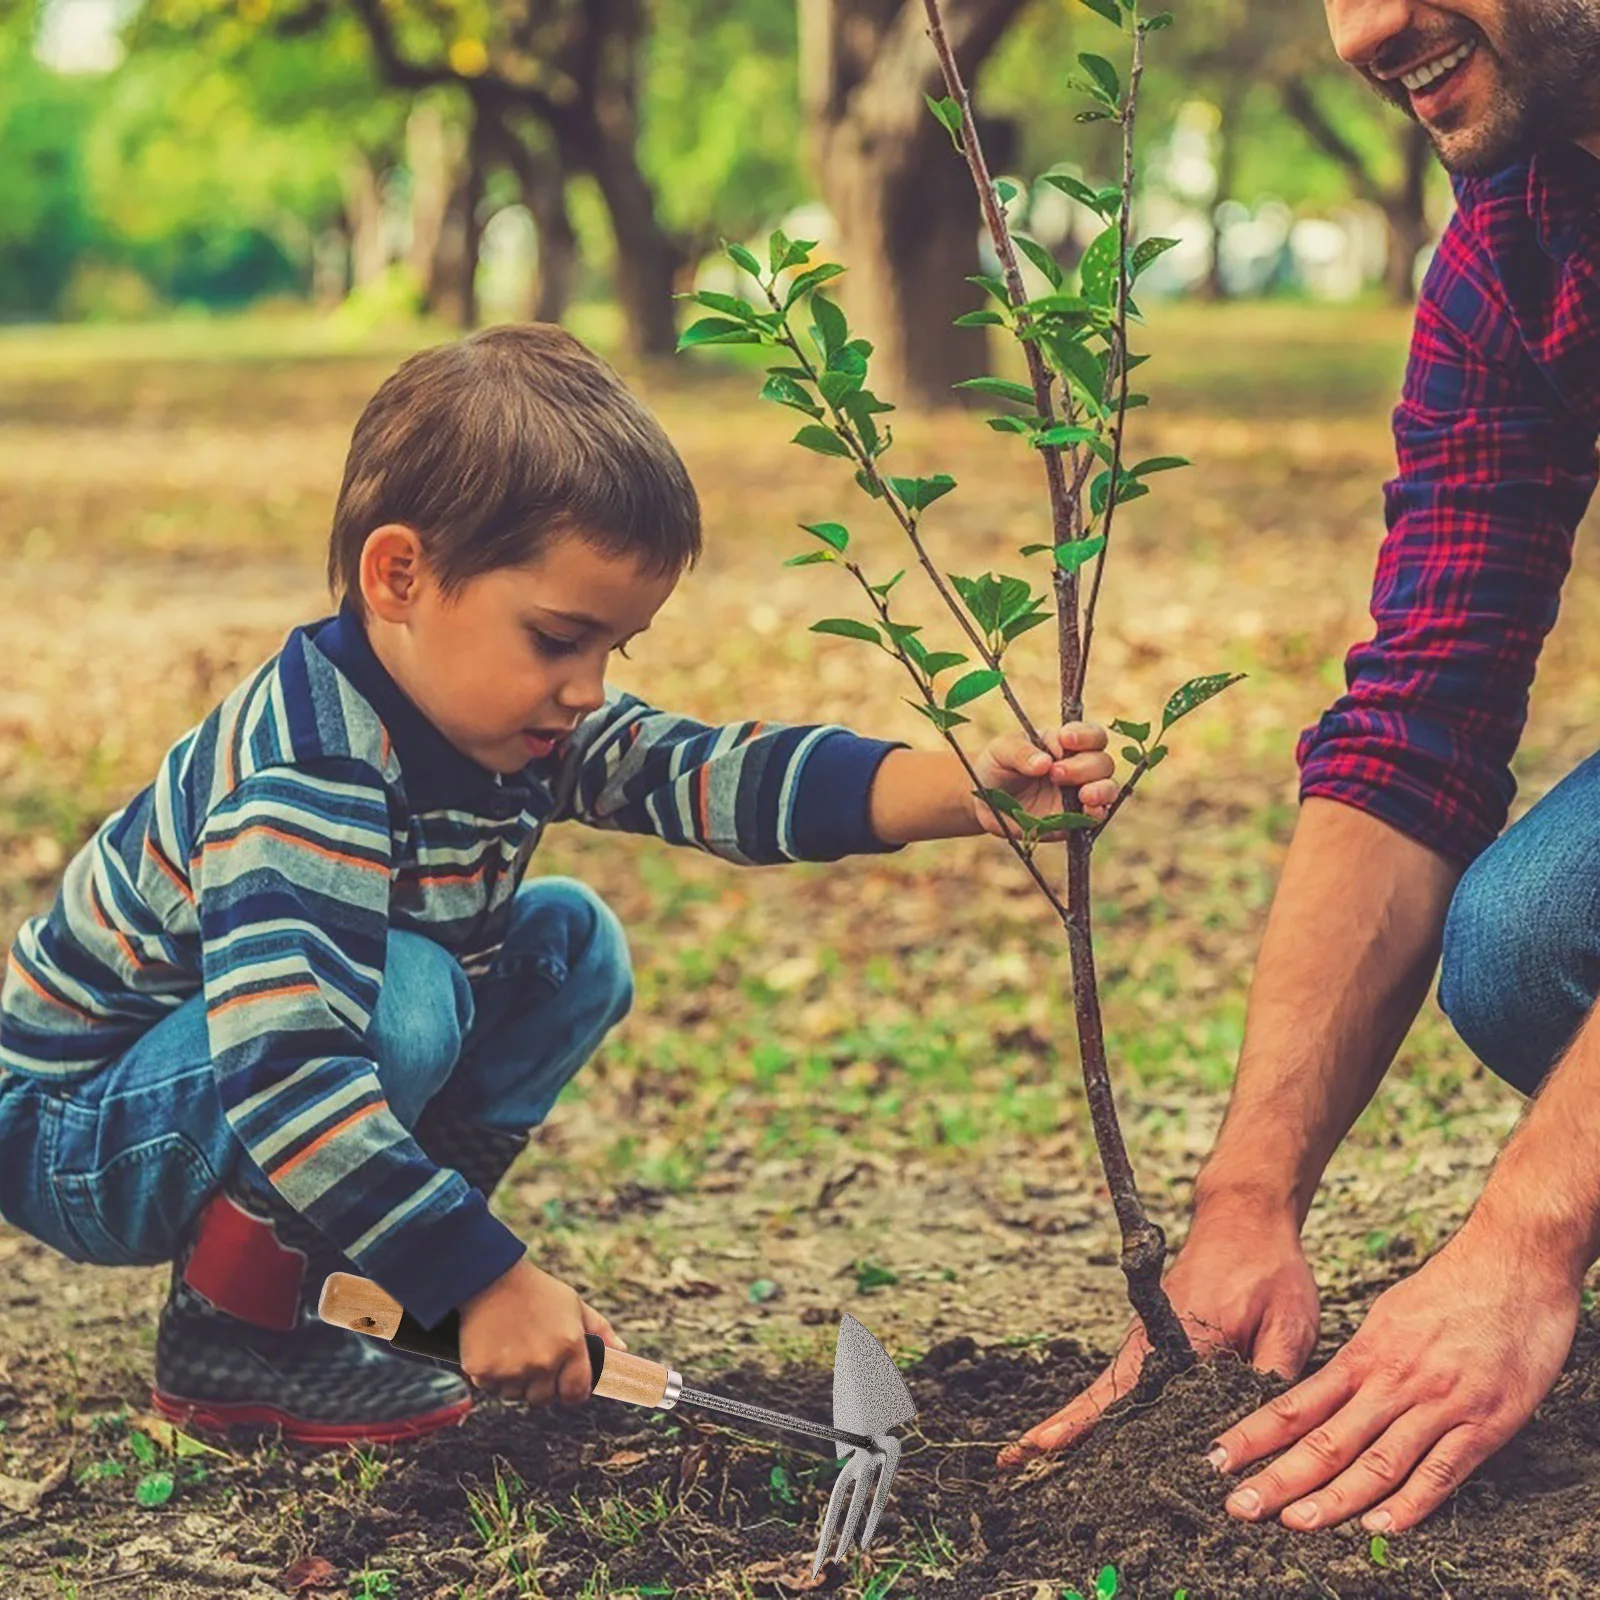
[[523, 1338], [1077, 760]]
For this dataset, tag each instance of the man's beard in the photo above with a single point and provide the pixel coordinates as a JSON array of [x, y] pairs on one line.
[[1547, 70]]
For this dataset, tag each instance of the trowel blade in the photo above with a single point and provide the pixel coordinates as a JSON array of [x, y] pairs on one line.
[[869, 1395]]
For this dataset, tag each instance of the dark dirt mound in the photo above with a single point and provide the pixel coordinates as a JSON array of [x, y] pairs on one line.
[[666, 1501]]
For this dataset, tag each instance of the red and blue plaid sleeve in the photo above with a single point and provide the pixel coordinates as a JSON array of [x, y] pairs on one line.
[[1495, 471]]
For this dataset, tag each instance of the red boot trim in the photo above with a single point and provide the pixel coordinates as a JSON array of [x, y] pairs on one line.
[[222, 1416], [241, 1266]]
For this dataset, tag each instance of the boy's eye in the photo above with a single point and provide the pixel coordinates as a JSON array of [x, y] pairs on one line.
[[552, 646]]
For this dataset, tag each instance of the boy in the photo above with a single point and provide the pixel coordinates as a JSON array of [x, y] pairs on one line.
[[293, 1009]]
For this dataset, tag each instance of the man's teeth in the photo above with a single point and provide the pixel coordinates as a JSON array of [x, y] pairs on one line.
[[1423, 76]]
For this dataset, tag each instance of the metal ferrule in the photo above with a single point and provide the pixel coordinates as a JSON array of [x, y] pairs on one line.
[[674, 1388]]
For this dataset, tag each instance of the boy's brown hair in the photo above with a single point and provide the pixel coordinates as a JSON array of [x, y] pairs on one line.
[[489, 446]]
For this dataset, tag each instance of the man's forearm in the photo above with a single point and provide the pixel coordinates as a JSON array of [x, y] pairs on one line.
[[1349, 953], [1543, 1197]]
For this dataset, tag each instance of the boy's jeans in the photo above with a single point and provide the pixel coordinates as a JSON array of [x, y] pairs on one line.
[[113, 1168], [1522, 940]]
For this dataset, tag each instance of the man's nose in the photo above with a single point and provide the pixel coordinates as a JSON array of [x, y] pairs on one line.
[[1361, 28]]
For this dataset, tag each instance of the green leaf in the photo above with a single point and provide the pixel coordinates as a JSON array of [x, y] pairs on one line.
[[1127, 489], [1063, 822], [717, 330], [1195, 693], [1081, 192], [830, 533], [949, 114], [1011, 424], [903, 633], [1154, 758], [1105, 1586], [995, 286], [741, 257], [868, 485], [1007, 190], [154, 1489], [1004, 801], [938, 661], [1076, 552], [809, 559], [1158, 464], [883, 589], [1147, 250], [783, 252], [1131, 730], [1084, 367], [1040, 257], [916, 494], [980, 319], [1093, 116], [1032, 549], [143, 1446], [829, 328], [1003, 387], [786, 392], [823, 440], [1098, 269], [1162, 19], [729, 304], [1131, 752], [1107, 9], [1104, 75], [941, 719], [967, 689], [848, 628], [1020, 625], [836, 387], [814, 278], [1378, 1549], [1074, 433]]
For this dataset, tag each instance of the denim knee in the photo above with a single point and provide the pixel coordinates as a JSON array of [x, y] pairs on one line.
[[424, 1010], [597, 955], [1518, 970]]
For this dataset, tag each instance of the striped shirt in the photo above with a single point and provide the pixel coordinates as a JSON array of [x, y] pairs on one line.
[[317, 807]]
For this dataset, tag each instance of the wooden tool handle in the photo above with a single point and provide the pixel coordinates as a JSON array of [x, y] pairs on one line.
[[347, 1301]]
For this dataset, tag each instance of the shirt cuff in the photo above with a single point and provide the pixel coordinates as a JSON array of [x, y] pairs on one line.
[[832, 807], [445, 1261]]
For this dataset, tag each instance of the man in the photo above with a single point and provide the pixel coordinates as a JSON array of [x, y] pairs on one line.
[[1407, 776]]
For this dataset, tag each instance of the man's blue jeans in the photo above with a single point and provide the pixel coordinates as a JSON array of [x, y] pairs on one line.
[[1522, 941], [112, 1169]]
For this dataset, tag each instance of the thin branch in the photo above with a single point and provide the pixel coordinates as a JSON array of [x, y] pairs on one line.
[[1135, 72]]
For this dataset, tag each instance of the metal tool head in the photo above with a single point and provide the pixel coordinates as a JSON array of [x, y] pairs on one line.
[[869, 1397]]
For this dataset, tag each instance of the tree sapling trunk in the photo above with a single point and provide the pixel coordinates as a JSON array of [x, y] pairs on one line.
[[1075, 343]]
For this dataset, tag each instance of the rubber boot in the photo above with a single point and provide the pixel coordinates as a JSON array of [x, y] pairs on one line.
[[239, 1343]]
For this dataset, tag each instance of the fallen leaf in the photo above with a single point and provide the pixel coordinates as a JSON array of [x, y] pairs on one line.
[[624, 1459], [310, 1572], [22, 1495], [794, 1573]]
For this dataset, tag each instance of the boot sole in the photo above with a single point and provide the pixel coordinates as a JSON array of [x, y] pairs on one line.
[[223, 1417]]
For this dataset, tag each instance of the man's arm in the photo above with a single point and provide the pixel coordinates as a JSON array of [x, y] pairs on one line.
[[1347, 960]]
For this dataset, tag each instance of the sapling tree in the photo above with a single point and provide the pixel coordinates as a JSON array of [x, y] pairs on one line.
[[1072, 412]]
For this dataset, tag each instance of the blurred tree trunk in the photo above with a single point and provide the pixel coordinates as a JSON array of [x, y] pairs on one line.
[[448, 166], [1403, 206], [1230, 105], [541, 177], [573, 66], [901, 199], [363, 220]]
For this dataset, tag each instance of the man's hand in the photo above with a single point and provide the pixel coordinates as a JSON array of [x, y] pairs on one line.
[[1446, 1368], [1241, 1282], [523, 1338], [1077, 760]]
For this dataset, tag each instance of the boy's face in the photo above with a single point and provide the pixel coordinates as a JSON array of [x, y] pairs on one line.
[[518, 658]]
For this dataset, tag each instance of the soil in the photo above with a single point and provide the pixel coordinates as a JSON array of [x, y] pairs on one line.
[[1138, 1495]]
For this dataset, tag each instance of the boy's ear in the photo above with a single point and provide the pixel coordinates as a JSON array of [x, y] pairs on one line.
[[392, 565]]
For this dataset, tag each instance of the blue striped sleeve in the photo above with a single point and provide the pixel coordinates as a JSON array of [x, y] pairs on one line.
[[754, 793], [291, 874]]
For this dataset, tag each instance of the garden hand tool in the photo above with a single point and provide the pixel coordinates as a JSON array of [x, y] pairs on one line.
[[869, 1396]]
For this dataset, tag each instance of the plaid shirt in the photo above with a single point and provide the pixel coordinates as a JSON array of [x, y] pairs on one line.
[[1495, 438]]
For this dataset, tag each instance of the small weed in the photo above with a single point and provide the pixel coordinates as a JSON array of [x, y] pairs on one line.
[[372, 1583], [370, 1467], [617, 1521]]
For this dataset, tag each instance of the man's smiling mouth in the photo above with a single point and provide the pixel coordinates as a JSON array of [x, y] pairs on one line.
[[1431, 72]]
